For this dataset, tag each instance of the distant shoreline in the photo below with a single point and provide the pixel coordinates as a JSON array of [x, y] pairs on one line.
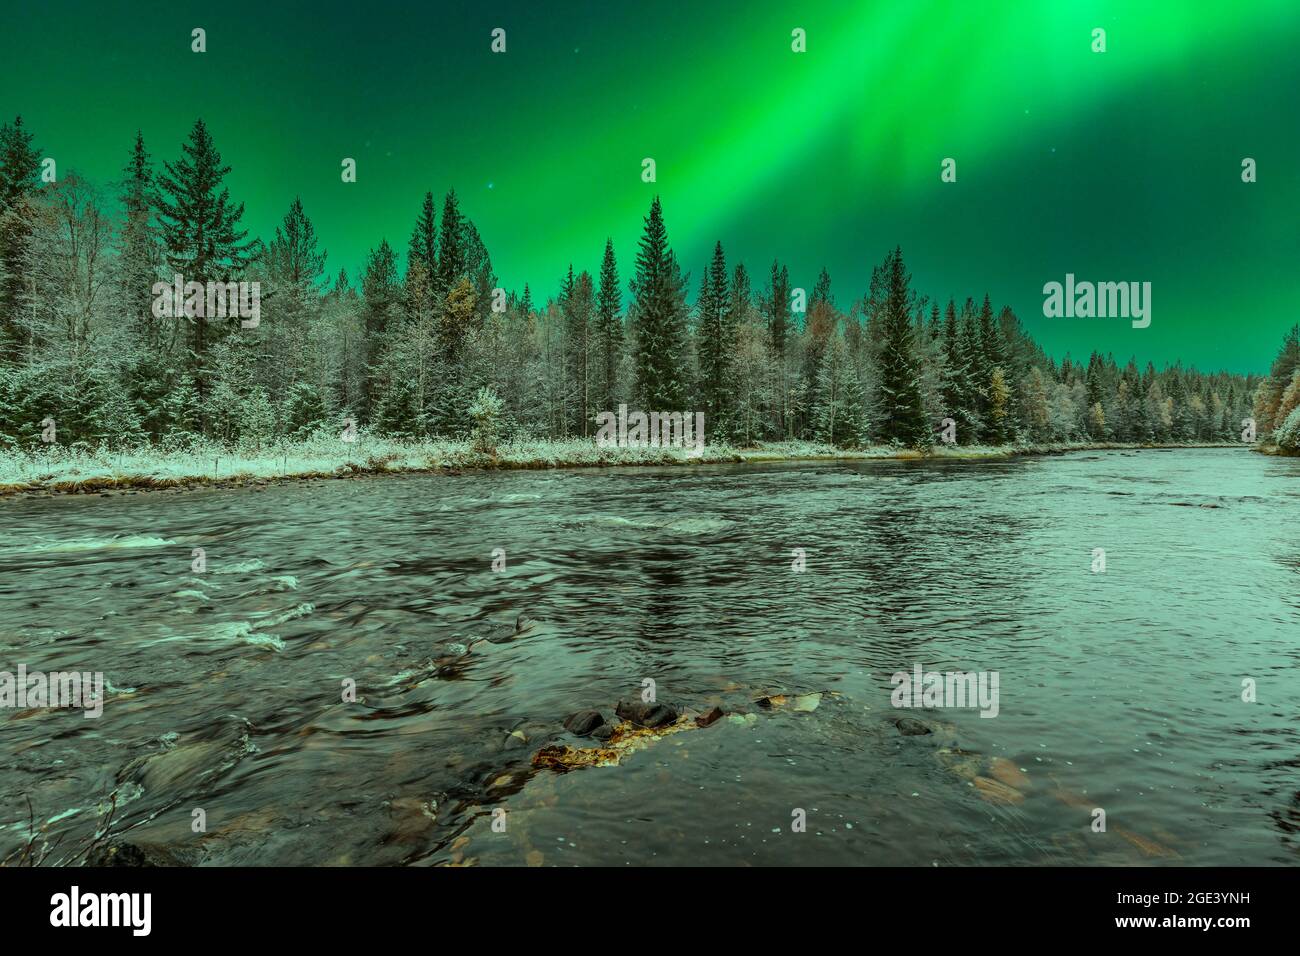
[[109, 474]]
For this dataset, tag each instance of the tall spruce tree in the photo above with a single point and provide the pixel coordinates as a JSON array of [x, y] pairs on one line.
[[659, 310], [19, 181], [609, 331], [296, 266], [902, 418], [578, 320], [778, 321], [451, 247], [716, 350], [423, 247], [381, 297], [955, 384], [200, 227], [139, 256]]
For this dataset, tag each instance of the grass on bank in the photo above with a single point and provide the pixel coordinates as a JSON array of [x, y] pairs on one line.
[[58, 469]]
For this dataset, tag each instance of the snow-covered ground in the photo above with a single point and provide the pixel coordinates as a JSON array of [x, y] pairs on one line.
[[60, 469]]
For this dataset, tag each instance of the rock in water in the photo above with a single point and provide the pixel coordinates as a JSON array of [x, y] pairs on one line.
[[910, 727], [646, 715], [584, 723], [195, 761], [121, 853], [995, 792], [705, 719]]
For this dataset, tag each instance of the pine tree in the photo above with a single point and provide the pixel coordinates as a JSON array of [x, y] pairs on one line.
[[738, 424], [778, 323], [998, 428], [380, 292], [451, 247], [716, 350], [1269, 394], [978, 373], [454, 392], [1096, 422], [659, 309], [423, 247], [902, 419], [1181, 426], [1038, 411], [579, 306], [200, 227], [609, 331], [840, 417], [296, 267], [999, 422], [955, 386], [19, 164], [478, 268], [138, 250], [822, 291], [422, 264]]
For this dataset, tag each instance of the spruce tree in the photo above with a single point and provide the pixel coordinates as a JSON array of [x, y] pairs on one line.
[[381, 294], [139, 254], [296, 266], [451, 247], [902, 419], [778, 323], [478, 268], [579, 306], [716, 351], [840, 417], [19, 166], [822, 291], [423, 248], [659, 308], [978, 373], [731, 427], [422, 264], [609, 331], [200, 227], [955, 385]]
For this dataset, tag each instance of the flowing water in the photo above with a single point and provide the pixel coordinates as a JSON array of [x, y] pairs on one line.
[[1120, 691]]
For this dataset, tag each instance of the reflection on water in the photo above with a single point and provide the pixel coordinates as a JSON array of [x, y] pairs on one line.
[[1120, 691]]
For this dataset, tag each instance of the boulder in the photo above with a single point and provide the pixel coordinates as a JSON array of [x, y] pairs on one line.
[[703, 720], [122, 853], [646, 715], [584, 723], [910, 727]]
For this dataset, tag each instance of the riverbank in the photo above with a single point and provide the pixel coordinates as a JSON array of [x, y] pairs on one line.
[[59, 471]]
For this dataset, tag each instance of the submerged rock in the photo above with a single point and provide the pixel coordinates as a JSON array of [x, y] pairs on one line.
[[192, 762], [646, 715], [910, 726], [801, 702], [122, 853], [996, 792], [641, 725]]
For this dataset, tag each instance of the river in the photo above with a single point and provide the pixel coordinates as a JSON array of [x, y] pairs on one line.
[[225, 734]]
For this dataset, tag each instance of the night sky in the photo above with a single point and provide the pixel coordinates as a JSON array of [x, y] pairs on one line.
[[1122, 166]]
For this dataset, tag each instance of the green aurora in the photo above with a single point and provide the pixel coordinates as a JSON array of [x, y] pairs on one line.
[[1122, 166]]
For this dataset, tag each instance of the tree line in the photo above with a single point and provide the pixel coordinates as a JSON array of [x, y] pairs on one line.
[[406, 346]]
